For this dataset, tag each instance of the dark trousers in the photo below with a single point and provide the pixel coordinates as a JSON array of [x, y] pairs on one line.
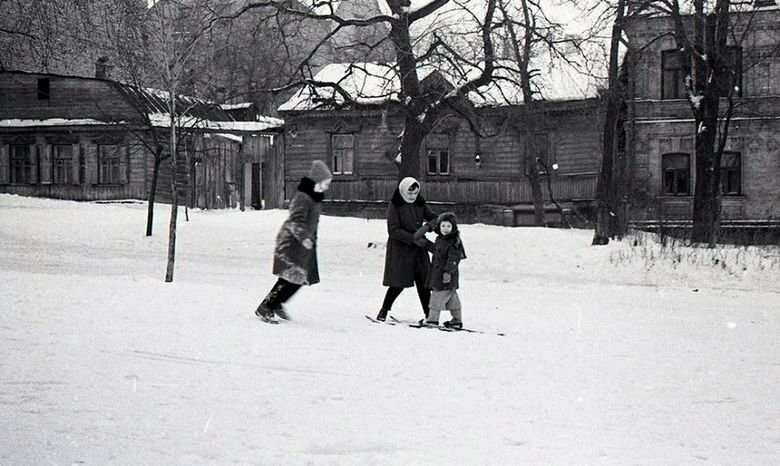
[[422, 292], [280, 293]]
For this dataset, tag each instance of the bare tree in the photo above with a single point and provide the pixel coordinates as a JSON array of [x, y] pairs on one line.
[[421, 108], [606, 192], [531, 35]]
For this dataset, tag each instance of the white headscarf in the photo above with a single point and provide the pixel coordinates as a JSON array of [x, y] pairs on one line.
[[409, 189]]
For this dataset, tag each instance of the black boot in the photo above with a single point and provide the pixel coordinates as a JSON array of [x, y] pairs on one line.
[[382, 316]]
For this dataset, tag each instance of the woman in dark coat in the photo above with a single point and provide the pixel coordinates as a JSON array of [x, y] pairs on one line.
[[406, 261], [295, 256]]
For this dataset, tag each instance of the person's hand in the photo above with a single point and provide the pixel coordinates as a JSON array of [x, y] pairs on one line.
[[430, 226], [446, 277], [307, 243]]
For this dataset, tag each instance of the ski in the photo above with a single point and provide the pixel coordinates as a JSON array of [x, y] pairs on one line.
[[378, 321], [455, 330]]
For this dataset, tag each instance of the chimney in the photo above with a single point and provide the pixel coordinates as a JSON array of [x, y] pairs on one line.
[[102, 68]]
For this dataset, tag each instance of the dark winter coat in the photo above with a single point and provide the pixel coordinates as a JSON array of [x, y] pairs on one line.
[[403, 257], [292, 261], [447, 252]]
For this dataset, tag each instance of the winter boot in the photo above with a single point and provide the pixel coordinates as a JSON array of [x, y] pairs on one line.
[[382, 316], [454, 325], [265, 314], [281, 313]]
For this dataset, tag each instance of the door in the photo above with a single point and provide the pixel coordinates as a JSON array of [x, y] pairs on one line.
[[257, 186]]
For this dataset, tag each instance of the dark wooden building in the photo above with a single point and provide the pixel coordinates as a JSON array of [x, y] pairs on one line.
[[482, 175], [79, 138]]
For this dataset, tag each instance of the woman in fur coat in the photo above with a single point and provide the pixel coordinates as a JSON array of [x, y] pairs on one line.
[[295, 256]]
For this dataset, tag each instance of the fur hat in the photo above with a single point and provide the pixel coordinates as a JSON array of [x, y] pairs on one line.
[[319, 171], [448, 217]]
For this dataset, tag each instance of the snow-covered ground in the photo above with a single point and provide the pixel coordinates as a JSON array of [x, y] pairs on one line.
[[610, 357]]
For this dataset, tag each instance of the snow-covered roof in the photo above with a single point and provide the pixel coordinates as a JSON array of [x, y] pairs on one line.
[[162, 120], [377, 83], [33, 123], [365, 83], [236, 106]]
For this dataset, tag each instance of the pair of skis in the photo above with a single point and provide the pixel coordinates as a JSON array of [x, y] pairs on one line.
[[393, 321]]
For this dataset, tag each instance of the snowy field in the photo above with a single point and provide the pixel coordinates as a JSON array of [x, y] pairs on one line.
[[612, 355]]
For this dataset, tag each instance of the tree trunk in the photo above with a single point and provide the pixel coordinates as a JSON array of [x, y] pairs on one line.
[[414, 130], [153, 191], [706, 205], [174, 199], [605, 192], [410, 148], [534, 179]]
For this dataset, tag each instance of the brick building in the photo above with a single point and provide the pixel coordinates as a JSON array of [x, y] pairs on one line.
[[661, 157]]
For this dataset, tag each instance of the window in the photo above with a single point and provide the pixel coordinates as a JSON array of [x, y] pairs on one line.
[[438, 162], [63, 163], [676, 173], [109, 157], [438, 154], [672, 84], [44, 88], [731, 174], [762, 82], [342, 148], [20, 164], [731, 75], [539, 147], [673, 80]]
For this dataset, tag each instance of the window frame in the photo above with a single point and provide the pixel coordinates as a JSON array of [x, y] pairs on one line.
[[62, 166], [675, 191], [440, 155], [114, 164], [678, 78], [20, 162], [437, 148], [725, 171], [734, 59], [337, 162]]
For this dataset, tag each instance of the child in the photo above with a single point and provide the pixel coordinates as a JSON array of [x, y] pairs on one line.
[[443, 278], [295, 256]]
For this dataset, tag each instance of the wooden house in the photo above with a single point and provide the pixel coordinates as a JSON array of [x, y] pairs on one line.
[[69, 137], [661, 128], [479, 173]]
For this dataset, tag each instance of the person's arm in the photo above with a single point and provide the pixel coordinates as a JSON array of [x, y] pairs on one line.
[[420, 239], [298, 221], [394, 229]]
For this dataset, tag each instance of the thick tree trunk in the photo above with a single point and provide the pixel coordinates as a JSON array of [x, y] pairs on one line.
[[605, 192], [410, 148], [706, 199]]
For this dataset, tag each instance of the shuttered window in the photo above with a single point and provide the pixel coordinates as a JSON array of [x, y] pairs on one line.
[[21, 167], [109, 163], [62, 164]]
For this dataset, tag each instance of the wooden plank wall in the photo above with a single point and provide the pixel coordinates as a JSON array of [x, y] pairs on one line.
[[70, 98], [573, 143], [84, 185]]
